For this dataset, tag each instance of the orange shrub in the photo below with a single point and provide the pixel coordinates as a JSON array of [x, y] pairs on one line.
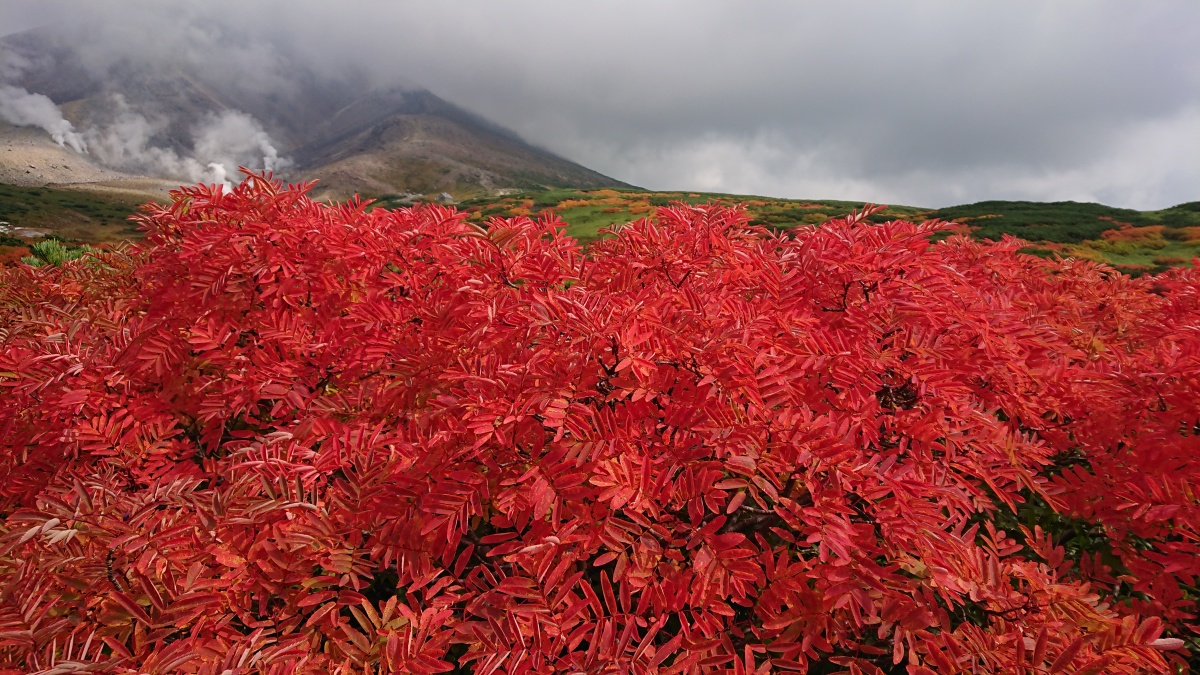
[[572, 203], [1170, 260], [1146, 233], [1182, 234], [10, 255]]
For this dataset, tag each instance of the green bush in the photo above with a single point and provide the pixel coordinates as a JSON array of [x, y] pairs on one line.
[[54, 253], [1062, 222]]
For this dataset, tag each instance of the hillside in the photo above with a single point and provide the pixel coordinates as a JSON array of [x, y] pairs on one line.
[[393, 141], [151, 120], [1134, 241]]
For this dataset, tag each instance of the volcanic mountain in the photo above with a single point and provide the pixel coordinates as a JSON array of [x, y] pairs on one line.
[[182, 122]]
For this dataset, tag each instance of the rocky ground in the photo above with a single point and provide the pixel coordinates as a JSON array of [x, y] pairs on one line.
[[29, 158]]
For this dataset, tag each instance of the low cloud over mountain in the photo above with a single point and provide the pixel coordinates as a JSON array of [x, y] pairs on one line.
[[198, 118], [930, 102]]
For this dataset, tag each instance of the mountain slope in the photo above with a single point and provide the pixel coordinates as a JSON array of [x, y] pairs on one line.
[[424, 144], [174, 121]]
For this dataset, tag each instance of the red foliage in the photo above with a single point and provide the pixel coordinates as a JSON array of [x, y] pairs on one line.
[[1135, 234], [281, 436], [11, 255]]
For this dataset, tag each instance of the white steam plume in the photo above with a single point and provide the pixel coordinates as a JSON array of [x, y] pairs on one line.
[[221, 144], [125, 144], [233, 139], [19, 107]]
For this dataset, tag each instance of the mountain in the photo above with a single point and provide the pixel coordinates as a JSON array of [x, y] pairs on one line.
[[184, 123], [396, 141]]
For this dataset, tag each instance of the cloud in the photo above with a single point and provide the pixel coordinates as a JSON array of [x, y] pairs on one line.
[[23, 109], [1151, 163], [765, 163], [926, 102], [233, 138], [221, 144]]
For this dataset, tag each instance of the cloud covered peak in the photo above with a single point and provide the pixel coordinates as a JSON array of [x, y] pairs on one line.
[[928, 102]]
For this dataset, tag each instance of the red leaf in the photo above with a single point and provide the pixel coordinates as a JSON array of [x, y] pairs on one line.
[[132, 607]]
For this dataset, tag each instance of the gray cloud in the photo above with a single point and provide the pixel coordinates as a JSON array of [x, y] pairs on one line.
[[923, 102]]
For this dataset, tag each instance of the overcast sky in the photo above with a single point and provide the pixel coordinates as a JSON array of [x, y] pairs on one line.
[[918, 102]]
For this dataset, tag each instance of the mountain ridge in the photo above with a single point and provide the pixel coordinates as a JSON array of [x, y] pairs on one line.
[[352, 136]]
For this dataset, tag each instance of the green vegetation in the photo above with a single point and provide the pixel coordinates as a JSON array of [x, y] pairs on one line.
[[1062, 222], [9, 240], [69, 214], [552, 198], [54, 253]]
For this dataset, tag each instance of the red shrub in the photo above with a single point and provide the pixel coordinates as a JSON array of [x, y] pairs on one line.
[[11, 255], [1135, 234], [281, 436], [1170, 260]]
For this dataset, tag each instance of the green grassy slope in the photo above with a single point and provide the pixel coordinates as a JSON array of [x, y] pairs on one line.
[[69, 214], [1063, 222]]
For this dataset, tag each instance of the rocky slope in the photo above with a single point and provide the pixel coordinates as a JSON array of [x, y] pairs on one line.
[[146, 123]]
